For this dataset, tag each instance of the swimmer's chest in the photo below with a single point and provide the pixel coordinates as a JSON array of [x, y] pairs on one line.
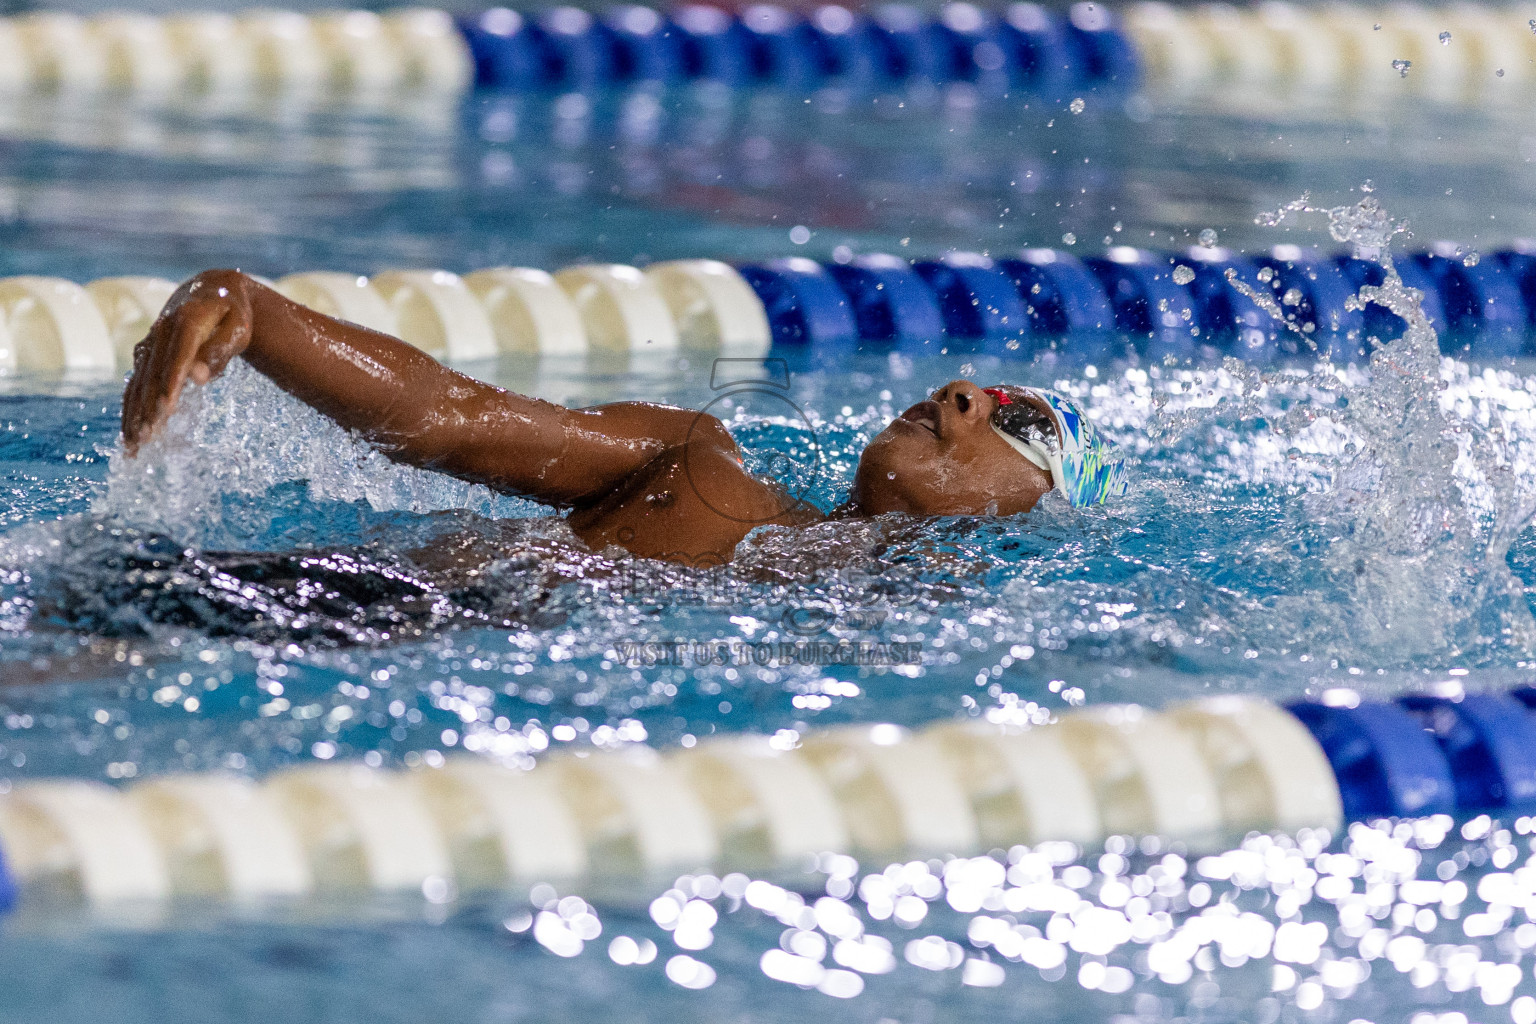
[[691, 504]]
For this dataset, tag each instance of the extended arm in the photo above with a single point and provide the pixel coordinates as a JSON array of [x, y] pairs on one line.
[[413, 408]]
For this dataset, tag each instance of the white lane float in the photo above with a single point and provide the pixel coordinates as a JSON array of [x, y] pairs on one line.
[[1269, 771], [139, 53], [1200, 773], [503, 827], [361, 52], [349, 297], [128, 307], [712, 306], [215, 51], [769, 806], [529, 312], [435, 311], [62, 52], [1148, 777], [637, 812], [898, 791], [436, 57], [223, 836], [81, 836], [363, 829], [620, 308], [52, 325]]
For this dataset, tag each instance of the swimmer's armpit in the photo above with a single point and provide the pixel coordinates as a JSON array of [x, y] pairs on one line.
[[414, 409]]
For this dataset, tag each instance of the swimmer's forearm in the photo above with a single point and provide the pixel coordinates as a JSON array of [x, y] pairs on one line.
[[415, 409], [393, 394], [412, 407]]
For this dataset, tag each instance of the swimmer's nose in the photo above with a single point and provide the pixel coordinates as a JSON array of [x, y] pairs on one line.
[[965, 402]]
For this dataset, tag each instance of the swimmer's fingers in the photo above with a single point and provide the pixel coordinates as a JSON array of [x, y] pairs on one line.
[[136, 393], [196, 340]]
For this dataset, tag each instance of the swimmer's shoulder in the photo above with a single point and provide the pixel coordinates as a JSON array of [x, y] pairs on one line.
[[692, 503]]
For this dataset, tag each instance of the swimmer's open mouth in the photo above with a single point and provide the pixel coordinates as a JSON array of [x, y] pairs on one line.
[[924, 414]]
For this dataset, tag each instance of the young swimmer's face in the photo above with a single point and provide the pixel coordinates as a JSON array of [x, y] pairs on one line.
[[942, 457]]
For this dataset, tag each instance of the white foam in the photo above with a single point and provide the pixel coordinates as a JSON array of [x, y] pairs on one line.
[[241, 436]]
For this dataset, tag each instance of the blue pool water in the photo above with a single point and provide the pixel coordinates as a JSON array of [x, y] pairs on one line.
[[1287, 533]]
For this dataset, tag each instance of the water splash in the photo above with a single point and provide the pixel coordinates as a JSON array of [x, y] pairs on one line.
[[207, 476], [1426, 505]]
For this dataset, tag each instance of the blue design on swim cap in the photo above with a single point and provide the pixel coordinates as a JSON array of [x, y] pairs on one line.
[[1090, 468]]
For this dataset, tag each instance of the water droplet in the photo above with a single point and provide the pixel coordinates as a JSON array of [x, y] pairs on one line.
[[1118, 226], [1376, 27], [1183, 274], [1069, 238], [1266, 273], [1445, 39], [1367, 185], [1532, 23], [1208, 237], [799, 234], [1401, 67], [1500, 72], [1109, 239], [1471, 259], [1292, 297], [1077, 105]]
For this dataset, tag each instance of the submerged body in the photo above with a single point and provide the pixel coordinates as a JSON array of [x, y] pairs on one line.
[[655, 480]]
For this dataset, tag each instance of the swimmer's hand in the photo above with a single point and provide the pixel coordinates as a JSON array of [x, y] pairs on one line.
[[206, 323]]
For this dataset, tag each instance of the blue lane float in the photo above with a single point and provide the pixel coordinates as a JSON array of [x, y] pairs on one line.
[[1485, 311], [980, 304], [1489, 743], [1024, 47], [1062, 295], [1314, 293], [1148, 303], [1386, 764], [1229, 319], [891, 303], [804, 304], [1380, 322], [1185, 305]]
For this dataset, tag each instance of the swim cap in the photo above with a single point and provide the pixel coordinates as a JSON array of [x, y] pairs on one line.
[[1053, 434]]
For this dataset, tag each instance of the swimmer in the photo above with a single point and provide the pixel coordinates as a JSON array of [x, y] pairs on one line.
[[656, 480]]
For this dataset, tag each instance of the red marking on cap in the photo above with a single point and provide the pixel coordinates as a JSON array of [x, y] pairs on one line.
[[999, 394]]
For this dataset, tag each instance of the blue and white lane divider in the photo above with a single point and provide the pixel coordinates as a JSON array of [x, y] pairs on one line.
[[1246, 54], [1182, 305], [1023, 47], [1203, 774]]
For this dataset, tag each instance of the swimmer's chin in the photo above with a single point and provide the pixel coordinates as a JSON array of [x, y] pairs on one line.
[[851, 509]]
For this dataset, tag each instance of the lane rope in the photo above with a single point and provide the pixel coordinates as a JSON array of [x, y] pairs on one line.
[[1202, 773], [1465, 53], [1124, 302]]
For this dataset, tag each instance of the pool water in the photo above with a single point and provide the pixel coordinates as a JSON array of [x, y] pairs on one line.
[[1286, 533]]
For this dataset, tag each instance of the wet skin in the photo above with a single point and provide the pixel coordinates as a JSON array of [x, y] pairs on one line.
[[659, 481]]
